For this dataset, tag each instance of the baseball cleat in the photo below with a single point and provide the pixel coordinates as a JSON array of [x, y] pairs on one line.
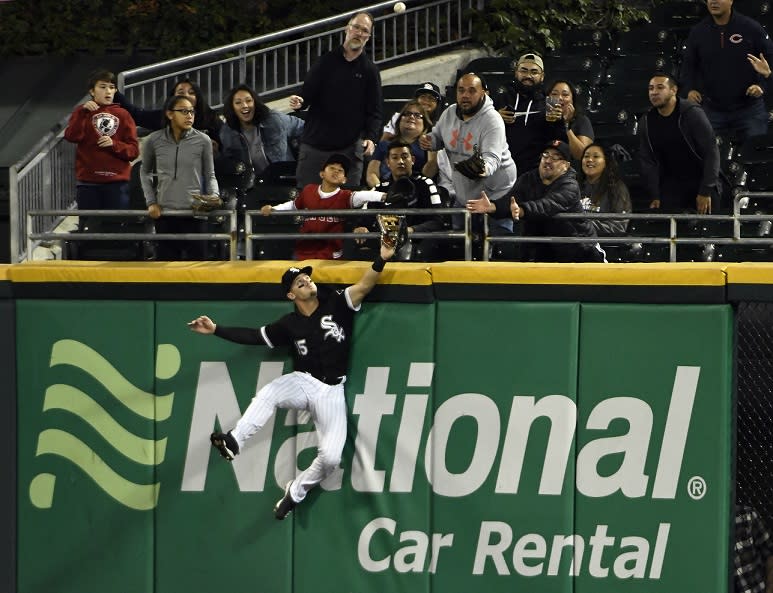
[[225, 443], [285, 505]]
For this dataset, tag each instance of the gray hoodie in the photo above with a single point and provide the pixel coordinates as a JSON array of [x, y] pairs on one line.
[[486, 129], [181, 168]]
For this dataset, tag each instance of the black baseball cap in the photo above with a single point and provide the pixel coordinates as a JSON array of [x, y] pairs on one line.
[[561, 147], [338, 159], [429, 88], [291, 274]]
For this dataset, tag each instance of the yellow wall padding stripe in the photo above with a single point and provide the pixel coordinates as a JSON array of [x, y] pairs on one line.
[[660, 274], [269, 272], [750, 273], [5, 270]]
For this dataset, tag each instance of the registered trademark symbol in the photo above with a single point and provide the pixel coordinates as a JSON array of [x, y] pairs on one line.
[[696, 487]]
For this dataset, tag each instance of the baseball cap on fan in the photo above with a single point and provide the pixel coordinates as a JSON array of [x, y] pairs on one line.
[[429, 88], [532, 57], [562, 147], [291, 274]]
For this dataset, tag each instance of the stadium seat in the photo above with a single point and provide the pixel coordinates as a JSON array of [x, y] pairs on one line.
[[585, 42], [490, 65], [577, 69], [649, 39]]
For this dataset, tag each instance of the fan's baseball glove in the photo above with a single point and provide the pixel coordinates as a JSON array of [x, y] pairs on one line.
[[473, 167], [203, 204]]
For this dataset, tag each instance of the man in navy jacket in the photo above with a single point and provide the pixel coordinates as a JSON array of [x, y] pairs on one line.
[[726, 69]]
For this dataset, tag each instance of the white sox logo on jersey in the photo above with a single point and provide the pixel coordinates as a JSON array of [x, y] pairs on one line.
[[334, 330], [106, 124]]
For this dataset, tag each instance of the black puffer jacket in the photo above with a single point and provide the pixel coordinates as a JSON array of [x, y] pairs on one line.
[[540, 204]]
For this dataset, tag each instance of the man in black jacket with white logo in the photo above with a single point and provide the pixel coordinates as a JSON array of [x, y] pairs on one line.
[[534, 201]]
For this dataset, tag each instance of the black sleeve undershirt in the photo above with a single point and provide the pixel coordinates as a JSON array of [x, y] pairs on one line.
[[240, 335]]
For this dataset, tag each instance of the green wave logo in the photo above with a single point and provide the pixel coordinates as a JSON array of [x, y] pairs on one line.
[[138, 450]]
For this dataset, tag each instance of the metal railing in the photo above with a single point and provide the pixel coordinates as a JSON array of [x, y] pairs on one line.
[[672, 239], [277, 63], [735, 220], [272, 64], [34, 238], [251, 237]]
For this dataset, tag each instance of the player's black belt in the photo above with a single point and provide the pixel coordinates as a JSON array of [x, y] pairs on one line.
[[330, 380]]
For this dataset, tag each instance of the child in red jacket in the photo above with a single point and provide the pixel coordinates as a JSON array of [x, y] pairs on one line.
[[107, 143]]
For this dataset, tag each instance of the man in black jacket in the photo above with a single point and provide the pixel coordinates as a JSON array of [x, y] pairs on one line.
[[726, 69], [536, 198], [522, 107], [342, 91], [679, 154]]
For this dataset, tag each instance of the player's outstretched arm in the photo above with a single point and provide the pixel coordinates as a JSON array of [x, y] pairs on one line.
[[358, 292], [240, 335]]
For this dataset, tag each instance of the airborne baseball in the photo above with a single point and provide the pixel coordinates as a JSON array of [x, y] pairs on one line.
[[399, 7]]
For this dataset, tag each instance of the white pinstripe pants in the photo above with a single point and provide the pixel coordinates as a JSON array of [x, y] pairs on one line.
[[327, 406]]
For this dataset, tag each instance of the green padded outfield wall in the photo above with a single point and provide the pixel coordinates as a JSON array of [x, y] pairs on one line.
[[493, 446]]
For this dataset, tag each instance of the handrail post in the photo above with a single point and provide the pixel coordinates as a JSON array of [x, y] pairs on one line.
[[467, 236], [16, 227], [672, 243], [485, 238], [243, 63], [248, 236], [232, 253], [736, 214]]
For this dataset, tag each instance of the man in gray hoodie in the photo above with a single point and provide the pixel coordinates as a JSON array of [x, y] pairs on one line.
[[469, 125]]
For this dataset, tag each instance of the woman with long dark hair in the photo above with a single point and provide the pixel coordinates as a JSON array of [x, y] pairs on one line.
[[179, 157], [579, 130], [254, 136], [602, 189]]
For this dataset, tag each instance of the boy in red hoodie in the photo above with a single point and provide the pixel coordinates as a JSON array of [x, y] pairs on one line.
[[107, 143]]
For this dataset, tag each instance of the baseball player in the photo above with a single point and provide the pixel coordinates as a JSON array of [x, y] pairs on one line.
[[318, 334]]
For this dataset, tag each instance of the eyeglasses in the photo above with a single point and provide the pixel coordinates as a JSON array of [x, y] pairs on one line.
[[531, 71], [552, 157], [360, 28], [184, 111], [412, 114]]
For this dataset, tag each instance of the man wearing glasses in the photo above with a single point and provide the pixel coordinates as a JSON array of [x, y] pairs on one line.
[[342, 92], [522, 107], [536, 198]]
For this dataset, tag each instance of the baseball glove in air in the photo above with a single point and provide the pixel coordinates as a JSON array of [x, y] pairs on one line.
[[202, 204], [394, 230], [473, 167]]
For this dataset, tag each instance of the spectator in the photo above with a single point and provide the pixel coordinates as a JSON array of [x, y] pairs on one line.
[[522, 107], [536, 198], [254, 136], [428, 95], [180, 158], [400, 160], [726, 69], [679, 154], [579, 131], [469, 125], [205, 120], [323, 196], [414, 121], [342, 92], [752, 553], [106, 139], [603, 190]]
